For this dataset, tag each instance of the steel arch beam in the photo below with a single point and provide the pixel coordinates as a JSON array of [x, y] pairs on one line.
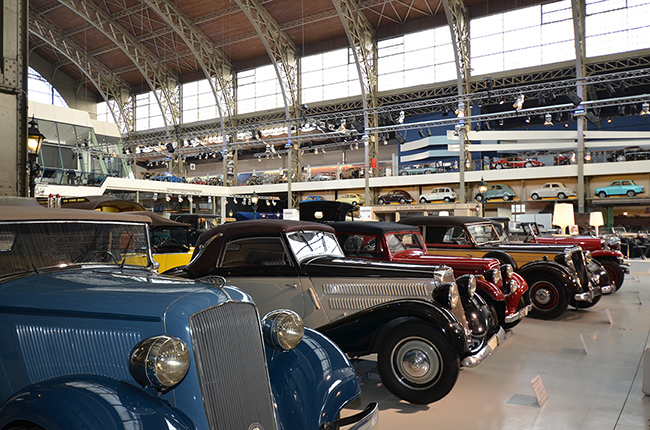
[[114, 90], [160, 79], [361, 38], [458, 21], [284, 56]]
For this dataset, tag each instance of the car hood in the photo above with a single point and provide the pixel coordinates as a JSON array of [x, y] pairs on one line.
[[109, 294], [326, 266], [510, 246], [418, 257], [586, 242]]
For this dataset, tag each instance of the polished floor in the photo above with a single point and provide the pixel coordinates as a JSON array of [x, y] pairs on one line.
[[589, 361]]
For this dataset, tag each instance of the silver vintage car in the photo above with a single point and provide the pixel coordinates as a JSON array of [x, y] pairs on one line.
[[421, 323]]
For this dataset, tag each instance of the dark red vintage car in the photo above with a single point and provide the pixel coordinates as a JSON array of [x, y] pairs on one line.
[[496, 283], [606, 252], [515, 162]]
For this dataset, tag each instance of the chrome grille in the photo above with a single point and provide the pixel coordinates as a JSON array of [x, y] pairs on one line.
[[580, 266], [231, 365]]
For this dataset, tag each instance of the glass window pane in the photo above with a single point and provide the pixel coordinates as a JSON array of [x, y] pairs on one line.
[[485, 26], [522, 18]]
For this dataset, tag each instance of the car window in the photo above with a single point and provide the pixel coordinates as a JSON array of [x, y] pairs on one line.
[[360, 245], [402, 241], [254, 251], [483, 233], [455, 235], [311, 243]]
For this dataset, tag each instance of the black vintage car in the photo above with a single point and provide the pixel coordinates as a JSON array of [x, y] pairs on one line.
[[557, 275], [421, 323]]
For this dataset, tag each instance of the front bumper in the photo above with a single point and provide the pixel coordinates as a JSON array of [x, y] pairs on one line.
[[608, 289], [486, 351], [588, 296], [364, 420], [521, 313]]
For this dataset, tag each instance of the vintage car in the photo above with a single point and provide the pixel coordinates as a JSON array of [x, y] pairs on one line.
[[496, 191], [93, 337], [353, 198], [605, 251], [312, 198], [554, 190], [624, 187], [631, 153], [396, 196], [556, 275], [501, 288], [199, 222], [351, 173], [417, 169], [445, 194], [167, 177], [515, 162], [322, 176], [421, 323]]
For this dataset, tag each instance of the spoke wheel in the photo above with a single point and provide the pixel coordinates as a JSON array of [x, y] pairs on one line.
[[417, 364], [614, 271]]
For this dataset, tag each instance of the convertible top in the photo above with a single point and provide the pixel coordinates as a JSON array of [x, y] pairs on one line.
[[378, 228], [210, 243], [443, 220], [39, 213]]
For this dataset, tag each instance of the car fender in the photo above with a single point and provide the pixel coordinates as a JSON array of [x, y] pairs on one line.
[[362, 332], [308, 389], [558, 271], [605, 254], [502, 256], [81, 402], [492, 290]]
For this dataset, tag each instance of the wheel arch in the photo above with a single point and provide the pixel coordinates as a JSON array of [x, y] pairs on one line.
[[551, 268], [503, 257]]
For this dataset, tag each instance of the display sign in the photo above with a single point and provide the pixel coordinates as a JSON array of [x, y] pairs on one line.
[[540, 391]]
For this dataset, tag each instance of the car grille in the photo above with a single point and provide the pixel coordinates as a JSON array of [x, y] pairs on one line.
[[231, 366], [580, 265]]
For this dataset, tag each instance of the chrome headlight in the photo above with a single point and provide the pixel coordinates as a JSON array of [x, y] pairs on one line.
[[160, 362], [587, 255], [614, 243], [283, 329], [444, 274], [494, 276], [466, 285], [447, 295]]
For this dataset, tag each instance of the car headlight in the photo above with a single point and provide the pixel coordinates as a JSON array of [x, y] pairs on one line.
[[160, 362], [447, 295], [282, 329], [614, 243], [494, 276], [444, 274], [466, 285], [588, 255]]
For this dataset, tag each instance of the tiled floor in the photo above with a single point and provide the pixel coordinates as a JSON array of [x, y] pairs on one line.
[[597, 388]]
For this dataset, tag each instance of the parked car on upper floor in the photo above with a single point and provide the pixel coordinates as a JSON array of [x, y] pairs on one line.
[[353, 198], [396, 196], [322, 176], [556, 275], [93, 337], [605, 251], [445, 194], [497, 191], [515, 162], [167, 177], [623, 187], [555, 190], [351, 173], [417, 169], [419, 321], [631, 153], [497, 283]]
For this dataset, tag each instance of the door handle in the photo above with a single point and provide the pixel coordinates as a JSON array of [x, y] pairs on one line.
[[314, 298], [294, 285]]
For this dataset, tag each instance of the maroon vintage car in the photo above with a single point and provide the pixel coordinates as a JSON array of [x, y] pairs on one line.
[[606, 252], [497, 284]]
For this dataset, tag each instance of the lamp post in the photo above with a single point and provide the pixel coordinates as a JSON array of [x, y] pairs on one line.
[[34, 141], [254, 200], [482, 189]]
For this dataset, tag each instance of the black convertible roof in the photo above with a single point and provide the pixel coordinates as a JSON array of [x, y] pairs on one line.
[[378, 228], [443, 220]]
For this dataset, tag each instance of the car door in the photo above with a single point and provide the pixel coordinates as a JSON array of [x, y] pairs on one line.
[[262, 267]]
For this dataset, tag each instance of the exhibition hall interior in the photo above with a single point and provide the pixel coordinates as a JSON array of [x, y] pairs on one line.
[[307, 214]]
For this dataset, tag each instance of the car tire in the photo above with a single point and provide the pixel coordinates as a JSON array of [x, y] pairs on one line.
[[381, 201], [428, 172], [447, 200], [631, 193], [614, 271], [402, 201], [507, 198], [404, 348], [528, 164], [355, 204], [602, 194], [423, 200], [561, 196], [534, 196], [549, 296], [499, 166], [585, 305], [403, 173]]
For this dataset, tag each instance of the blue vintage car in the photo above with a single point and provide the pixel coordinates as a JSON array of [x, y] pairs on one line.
[[93, 337], [625, 187]]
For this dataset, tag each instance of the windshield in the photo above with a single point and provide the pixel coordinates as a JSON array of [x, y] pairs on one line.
[[398, 242], [484, 233], [310, 243], [32, 246]]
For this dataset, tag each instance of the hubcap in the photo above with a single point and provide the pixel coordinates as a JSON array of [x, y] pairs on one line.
[[543, 296], [417, 362]]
